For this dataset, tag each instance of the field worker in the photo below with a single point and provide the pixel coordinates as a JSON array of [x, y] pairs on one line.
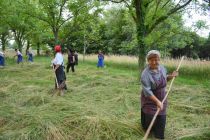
[[2, 61], [58, 63], [71, 60], [30, 55], [19, 56], [100, 60], [154, 80]]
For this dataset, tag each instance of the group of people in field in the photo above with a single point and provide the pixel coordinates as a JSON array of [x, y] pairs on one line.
[[59, 66], [154, 80], [19, 56]]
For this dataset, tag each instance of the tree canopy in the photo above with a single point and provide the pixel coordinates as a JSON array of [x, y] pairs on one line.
[[128, 27]]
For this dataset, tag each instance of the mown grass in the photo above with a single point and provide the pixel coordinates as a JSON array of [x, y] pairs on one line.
[[100, 104]]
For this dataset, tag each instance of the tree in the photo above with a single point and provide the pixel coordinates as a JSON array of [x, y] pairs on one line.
[[39, 35], [18, 23], [168, 35], [4, 36], [54, 13], [148, 14], [204, 51], [82, 32], [118, 32], [4, 28]]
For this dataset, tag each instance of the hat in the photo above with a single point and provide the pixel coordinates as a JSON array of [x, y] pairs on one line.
[[57, 48]]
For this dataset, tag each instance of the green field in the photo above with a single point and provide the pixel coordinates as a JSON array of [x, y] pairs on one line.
[[100, 104]]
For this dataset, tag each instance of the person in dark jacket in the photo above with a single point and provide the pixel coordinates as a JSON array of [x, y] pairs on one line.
[[71, 61]]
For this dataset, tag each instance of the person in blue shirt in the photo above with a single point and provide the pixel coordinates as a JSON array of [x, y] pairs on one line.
[[2, 59], [100, 60], [19, 56], [30, 55]]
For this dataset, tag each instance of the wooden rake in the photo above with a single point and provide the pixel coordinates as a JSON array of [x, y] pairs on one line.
[[158, 110]]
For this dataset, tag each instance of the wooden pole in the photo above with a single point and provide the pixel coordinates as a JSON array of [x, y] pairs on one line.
[[158, 110], [56, 80]]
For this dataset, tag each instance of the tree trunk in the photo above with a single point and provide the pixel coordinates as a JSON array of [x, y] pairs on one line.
[[28, 46], [84, 50], [3, 42], [4, 37], [19, 43], [84, 53], [141, 50], [141, 33], [19, 39], [55, 32], [3, 46], [38, 49]]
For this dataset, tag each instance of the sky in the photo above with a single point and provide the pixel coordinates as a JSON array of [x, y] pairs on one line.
[[195, 16]]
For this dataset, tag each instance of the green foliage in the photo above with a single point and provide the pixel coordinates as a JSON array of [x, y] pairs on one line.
[[119, 32], [88, 25], [204, 50], [114, 32]]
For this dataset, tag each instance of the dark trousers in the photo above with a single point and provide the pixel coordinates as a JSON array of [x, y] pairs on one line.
[[63, 86], [158, 127], [70, 65], [61, 78]]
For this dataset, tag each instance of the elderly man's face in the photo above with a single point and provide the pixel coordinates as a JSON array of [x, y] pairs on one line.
[[154, 62]]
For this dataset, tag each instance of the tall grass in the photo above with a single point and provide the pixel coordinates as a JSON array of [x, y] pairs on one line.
[[191, 68]]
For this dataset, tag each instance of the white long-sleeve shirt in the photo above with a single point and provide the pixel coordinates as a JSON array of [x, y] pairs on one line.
[[19, 53], [58, 60], [2, 54]]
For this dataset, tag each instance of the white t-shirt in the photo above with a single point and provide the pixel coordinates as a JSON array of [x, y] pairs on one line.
[[2, 54], [30, 52], [19, 53], [58, 60]]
